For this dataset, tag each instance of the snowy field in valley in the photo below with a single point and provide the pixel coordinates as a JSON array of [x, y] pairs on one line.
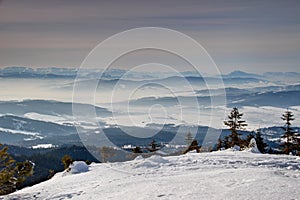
[[217, 175]]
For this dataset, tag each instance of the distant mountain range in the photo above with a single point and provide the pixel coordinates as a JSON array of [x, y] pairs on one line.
[[55, 72], [241, 74], [273, 76], [45, 107], [276, 96]]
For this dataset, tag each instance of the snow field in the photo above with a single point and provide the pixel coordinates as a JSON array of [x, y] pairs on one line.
[[217, 175]]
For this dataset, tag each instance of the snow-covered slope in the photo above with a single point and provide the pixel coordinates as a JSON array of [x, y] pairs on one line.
[[217, 175]]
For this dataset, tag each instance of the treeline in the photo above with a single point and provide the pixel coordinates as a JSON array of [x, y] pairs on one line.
[[235, 123], [45, 163], [240, 139]]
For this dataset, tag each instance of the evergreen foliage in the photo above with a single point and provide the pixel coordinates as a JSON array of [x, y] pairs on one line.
[[67, 161], [235, 123], [249, 137], [289, 135], [153, 146], [226, 143], [12, 174], [137, 150], [298, 147], [261, 145], [193, 146], [220, 144]]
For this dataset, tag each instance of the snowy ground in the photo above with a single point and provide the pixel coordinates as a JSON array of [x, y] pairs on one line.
[[217, 175]]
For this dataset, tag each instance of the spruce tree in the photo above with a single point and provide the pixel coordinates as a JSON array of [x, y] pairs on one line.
[[219, 144], [235, 123], [12, 174], [249, 137], [193, 146], [137, 149], [67, 161], [226, 143], [153, 146], [289, 135], [261, 145], [298, 146], [7, 179]]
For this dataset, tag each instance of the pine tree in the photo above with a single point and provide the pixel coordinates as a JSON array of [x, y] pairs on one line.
[[67, 161], [7, 179], [245, 143], [12, 174], [137, 149], [22, 171], [235, 123], [261, 145], [289, 135], [226, 143], [298, 146], [249, 137], [219, 144], [193, 146], [153, 146]]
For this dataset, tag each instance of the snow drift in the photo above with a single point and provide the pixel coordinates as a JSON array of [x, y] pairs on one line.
[[78, 167]]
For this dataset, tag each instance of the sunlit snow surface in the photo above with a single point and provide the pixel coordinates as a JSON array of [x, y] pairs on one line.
[[43, 146], [217, 175]]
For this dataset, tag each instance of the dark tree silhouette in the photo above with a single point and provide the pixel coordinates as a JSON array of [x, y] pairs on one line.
[[67, 161], [137, 150], [193, 146], [289, 135], [235, 123], [226, 144], [153, 146], [298, 146], [220, 144], [261, 145], [245, 143], [249, 137]]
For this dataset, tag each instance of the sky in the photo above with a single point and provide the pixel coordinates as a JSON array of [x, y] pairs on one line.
[[253, 36]]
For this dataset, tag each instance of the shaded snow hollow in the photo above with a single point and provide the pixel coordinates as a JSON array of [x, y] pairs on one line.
[[216, 175]]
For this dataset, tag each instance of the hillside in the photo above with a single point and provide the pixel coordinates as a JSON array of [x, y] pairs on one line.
[[216, 175]]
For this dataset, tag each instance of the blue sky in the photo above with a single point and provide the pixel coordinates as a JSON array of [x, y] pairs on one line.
[[253, 36]]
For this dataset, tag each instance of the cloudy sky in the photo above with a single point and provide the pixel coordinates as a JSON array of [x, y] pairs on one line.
[[253, 36]]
